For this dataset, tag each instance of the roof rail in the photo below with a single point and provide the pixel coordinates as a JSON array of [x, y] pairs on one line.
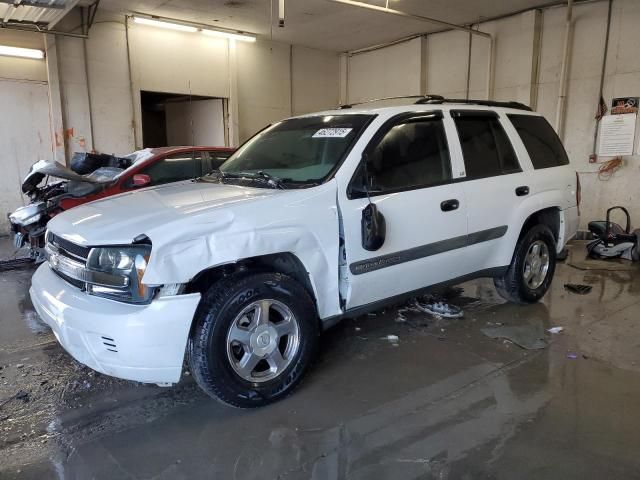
[[399, 97], [438, 100]]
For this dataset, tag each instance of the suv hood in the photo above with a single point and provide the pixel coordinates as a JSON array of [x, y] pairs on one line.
[[121, 218]]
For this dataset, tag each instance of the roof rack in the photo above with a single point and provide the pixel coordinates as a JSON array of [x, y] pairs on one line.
[[399, 97], [438, 100]]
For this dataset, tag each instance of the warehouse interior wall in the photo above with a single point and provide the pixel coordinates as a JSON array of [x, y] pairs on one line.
[[527, 63], [91, 89]]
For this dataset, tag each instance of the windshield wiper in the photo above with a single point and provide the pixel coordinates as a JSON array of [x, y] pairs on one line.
[[272, 181]]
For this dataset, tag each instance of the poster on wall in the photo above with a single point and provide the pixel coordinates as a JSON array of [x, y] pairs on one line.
[[622, 105], [617, 134]]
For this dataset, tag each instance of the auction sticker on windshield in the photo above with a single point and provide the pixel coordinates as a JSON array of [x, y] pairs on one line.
[[332, 133]]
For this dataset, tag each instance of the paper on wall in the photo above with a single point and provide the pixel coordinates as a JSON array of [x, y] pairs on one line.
[[617, 135]]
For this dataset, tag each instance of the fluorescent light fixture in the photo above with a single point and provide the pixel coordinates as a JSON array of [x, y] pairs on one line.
[[229, 35], [157, 23], [21, 52]]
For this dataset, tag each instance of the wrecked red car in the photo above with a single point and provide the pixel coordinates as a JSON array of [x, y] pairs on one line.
[[94, 176]]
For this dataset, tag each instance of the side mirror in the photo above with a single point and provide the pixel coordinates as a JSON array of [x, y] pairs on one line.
[[374, 228], [141, 180]]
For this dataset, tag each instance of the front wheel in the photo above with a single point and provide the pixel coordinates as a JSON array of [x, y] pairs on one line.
[[254, 337], [534, 262]]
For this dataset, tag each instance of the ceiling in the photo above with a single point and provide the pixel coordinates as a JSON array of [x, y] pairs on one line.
[[321, 23]]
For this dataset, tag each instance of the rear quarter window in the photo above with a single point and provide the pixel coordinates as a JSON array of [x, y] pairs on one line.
[[541, 141]]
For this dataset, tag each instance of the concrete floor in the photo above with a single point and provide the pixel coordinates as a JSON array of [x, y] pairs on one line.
[[444, 402]]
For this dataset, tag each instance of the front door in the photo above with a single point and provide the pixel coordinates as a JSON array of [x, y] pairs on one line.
[[408, 176]]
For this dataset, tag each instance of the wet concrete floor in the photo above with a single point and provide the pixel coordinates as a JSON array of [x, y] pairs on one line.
[[443, 402]]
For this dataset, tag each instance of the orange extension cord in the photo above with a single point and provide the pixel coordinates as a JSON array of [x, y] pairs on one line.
[[608, 168]]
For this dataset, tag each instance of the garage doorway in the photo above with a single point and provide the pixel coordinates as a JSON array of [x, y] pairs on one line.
[[170, 119]]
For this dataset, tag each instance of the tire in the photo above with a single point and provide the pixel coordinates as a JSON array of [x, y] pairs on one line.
[[229, 329], [518, 287]]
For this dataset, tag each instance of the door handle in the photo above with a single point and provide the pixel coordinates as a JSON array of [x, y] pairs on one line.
[[522, 191], [449, 205]]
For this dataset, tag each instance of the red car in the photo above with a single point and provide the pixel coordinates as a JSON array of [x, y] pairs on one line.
[[156, 166], [94, 176]]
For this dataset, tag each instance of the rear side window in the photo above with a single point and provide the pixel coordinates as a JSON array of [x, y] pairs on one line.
[[413, 153], [486, 148], [541, 141]]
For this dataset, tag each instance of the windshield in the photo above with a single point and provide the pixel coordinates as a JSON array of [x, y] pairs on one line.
[[300, 149]]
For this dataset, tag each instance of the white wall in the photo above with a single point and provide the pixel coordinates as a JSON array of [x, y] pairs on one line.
[[199, 122], [388, 72], [314, 80], [25, 137], [395, 70], [264, 85]]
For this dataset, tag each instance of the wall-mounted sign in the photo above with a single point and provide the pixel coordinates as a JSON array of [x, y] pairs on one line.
[[617, 133], [624, 105]]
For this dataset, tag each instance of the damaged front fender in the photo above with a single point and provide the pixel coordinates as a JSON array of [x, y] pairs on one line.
[[303, 223]]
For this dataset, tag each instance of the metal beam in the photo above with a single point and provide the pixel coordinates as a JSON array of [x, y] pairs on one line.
[[60, 15]]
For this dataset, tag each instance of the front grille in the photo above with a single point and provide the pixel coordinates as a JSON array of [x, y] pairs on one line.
[[68, 248], [72, 281]]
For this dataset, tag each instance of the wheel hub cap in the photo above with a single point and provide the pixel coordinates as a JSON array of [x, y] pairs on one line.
[[536, 264], [263, 340]]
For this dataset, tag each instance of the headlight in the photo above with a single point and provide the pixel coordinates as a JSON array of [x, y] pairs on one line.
[[122, 270]]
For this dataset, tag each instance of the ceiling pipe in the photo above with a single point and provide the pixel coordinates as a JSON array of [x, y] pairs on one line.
[[452, 26], [564, 72], [38, 29]]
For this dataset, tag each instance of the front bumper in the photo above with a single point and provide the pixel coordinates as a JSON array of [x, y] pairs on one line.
[[145, 343]]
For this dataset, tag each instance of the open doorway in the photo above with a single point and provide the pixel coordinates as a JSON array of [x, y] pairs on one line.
[[170, 119]]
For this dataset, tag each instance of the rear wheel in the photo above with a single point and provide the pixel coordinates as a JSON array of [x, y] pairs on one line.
[[255, 335], [532, 267]]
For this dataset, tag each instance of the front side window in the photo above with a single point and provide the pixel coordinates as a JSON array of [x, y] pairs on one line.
[[486, 148], [412, 154], [541, 141], [303, 150], [174, 168]]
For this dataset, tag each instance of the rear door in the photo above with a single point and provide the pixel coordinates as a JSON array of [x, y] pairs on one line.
[[409, 177], [495, 184]]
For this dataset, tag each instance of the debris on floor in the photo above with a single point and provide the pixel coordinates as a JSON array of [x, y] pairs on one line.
[[572, 355], [555, 329], [437, 308], [577, 288], [529, 337], [393, 339]]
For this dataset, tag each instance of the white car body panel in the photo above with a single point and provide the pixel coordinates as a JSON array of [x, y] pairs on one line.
[[149, 340], [194, 226]]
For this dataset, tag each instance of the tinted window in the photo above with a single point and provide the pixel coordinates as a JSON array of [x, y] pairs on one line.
[[486, 148], [541, 141], [176, 167], [411, 154], [304, 149]]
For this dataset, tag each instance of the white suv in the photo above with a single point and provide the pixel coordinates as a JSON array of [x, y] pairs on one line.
[[314, 219]]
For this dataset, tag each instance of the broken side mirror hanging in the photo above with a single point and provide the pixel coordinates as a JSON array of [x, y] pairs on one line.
[[374, 227]]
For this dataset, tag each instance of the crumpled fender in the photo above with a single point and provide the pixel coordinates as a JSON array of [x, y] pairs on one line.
[[301, 222]]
